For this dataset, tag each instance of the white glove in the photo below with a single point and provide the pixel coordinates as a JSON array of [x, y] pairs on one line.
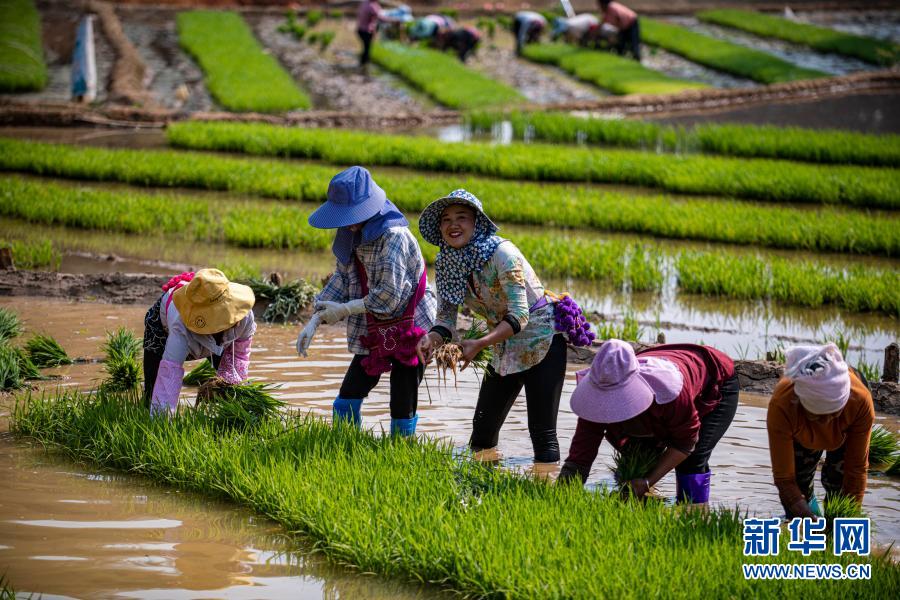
[[306, 335], [332, 312]]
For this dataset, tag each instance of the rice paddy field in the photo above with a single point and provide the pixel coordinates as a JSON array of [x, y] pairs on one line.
[[749, 236]]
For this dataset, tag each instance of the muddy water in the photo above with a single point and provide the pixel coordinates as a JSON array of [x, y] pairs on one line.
[[108, 535], [740, 463]]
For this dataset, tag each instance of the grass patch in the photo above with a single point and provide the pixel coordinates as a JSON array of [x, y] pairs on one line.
[[823, 39], [44, 352], [33, 255], [621, 76], [22, 66], [883, 446], [775, 181], [443, 77], [825, 229], [722, 55], [408, 509], [749, 141], [239, 75]]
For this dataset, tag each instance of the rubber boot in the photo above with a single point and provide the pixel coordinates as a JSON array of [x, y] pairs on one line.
[[347, 409], [404, 427], [692, 487]]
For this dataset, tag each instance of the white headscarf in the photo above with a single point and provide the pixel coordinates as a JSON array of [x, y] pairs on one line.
[[821, 377]]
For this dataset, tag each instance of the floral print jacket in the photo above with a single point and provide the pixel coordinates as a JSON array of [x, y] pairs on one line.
[[507, 285]]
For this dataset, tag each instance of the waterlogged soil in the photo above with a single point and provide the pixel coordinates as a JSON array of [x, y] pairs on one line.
[[740, 463], [109, 535]]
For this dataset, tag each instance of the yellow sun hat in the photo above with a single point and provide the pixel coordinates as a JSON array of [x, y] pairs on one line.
[[211, 304]]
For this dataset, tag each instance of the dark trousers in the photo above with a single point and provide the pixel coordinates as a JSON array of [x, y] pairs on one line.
[[712, 427], [805, 463], [404, 386], [630, 39], [543, 386], [366, 39]]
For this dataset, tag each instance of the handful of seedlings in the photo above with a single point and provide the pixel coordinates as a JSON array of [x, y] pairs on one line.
[[634, 461], [449, 355], [839, 506], [285, 301], [44, 351], [237, 406], [122, 367], [883, 446], [200, 374]]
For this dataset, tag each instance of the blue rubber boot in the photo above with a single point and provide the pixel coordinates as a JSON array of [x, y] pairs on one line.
[[347, 409], [404, 427], [692, 488]]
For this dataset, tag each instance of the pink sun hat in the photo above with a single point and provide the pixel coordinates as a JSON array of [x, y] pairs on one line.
[[612, 390]]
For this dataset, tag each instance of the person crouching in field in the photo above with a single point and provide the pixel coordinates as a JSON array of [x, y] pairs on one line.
[[379, 285], [819, 406], [199, 315], [626, 24], [679, 396], [463, 40], [490, 276], [527, 27]]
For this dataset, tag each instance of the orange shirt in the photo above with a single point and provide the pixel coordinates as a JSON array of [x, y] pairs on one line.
[[788, 422], [619, 16]]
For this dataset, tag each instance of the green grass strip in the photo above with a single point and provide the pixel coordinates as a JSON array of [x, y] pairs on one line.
[[410, 510], [773, 181], [621, 76], [750, 141], [820, 229], [33, 254], [239, 75], [635, 265], [823, 39], [722, 55], [443, 77], [22, 66]]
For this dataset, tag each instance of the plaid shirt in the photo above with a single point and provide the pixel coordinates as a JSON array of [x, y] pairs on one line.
[[393, 265]]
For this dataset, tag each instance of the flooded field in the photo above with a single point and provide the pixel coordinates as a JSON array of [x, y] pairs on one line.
[[740, 464]]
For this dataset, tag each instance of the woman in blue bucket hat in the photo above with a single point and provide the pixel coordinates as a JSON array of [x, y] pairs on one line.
[[379, 285], [490, 276]]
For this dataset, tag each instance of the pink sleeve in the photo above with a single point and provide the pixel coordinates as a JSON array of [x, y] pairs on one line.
[[167, 387], [235, 363]]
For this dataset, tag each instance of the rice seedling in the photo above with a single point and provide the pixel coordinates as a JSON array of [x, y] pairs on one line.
[[313, 17], [634, 461], [44, 352], [239, 75], [10, 325], [839, 506], [872, 50], [751, 141], [449, 355], [7, 592], [870, 371], [10, 376], [122, 367], [27, 370], [630, 330], [443, 77], [284, 301], [841, 230], [883, 446], [238, 406], [21, 50], [894, 469], [722, 55], [200, 374], [721, 176], [473, 528], [33, 255], [619, 75]]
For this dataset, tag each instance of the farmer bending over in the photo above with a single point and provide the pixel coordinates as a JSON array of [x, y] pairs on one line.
[[199, 315], [491, 277], [379, 285], [574, 30], [625, 21], [462, 40], [681, 397], [819, 406], [527, 28]]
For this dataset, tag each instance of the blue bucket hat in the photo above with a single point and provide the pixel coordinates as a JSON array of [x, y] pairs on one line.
[[430, 220], [353, 197]]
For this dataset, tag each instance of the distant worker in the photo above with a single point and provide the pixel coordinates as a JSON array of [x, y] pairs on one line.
[[428, 26], [574, 30], [462, 40], [527, 28], [396, 20], [367, 18], [626, 24]]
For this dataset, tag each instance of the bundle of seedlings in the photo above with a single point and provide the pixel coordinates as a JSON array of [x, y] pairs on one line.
[[44, 351], [200, 374], [27, 369], [10, 325], [634, 461], [239, 407], [285, 301], [449, 355], [883, 446], [10, 376], [894, 469], [839, 506], [122, 367]]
